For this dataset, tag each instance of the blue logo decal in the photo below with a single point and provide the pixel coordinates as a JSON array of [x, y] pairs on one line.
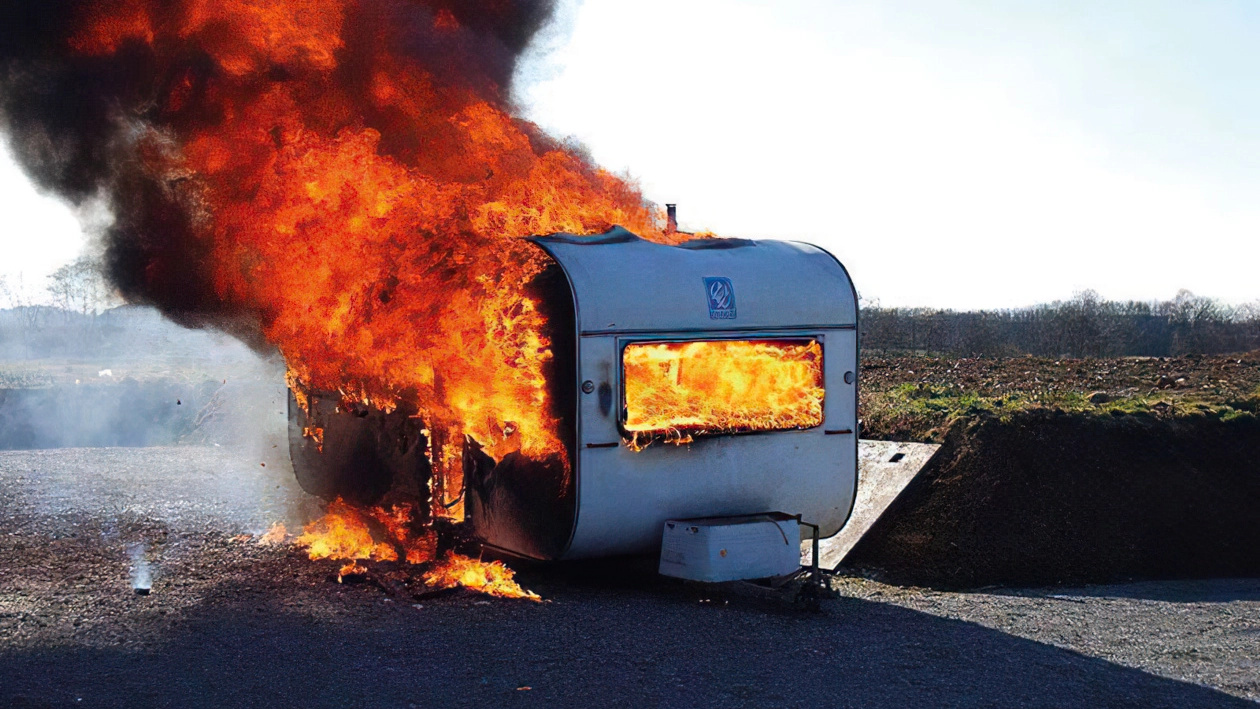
[[721, 298]]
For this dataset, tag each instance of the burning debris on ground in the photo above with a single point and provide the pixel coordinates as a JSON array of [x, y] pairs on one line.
[[350, 534]]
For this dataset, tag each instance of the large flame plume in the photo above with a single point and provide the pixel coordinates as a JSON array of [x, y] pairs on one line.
[[340, 179], [343, 178]]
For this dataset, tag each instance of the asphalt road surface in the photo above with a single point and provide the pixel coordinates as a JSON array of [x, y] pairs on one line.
[[234, 623]]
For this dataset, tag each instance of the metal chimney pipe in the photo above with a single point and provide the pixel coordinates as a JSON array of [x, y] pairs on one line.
[[671, 216]]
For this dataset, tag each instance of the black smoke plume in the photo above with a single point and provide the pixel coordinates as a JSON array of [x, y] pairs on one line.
[[71, 119]]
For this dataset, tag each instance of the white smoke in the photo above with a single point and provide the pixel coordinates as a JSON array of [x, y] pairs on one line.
[[141, 576]]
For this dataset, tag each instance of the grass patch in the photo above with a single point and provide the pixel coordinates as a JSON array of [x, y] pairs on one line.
[[923, 412]]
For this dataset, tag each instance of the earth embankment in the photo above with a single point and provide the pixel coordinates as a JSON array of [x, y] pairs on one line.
[[1044, 497]]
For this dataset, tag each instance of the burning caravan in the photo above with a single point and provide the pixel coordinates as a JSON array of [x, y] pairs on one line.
[[713, 379]]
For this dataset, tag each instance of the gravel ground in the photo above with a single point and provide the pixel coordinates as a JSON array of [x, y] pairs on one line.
[[1206, 632], [233, 623]]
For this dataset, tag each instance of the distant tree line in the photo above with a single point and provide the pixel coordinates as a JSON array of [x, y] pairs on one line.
[[71, 314], [77, 287], [1085, 326]]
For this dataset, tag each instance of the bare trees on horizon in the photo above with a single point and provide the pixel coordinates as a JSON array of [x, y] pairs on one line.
[[80, 287], [76, 287], [1085, 326]]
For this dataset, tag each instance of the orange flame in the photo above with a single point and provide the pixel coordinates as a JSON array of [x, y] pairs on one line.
[[315, 433], [274, 536], [352, 569], [347, 173], [492, 578], [680, 388], [345, 533], [372, 225], [417, 547]]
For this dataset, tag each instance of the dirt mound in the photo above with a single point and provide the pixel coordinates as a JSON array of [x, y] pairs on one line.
[[1045, 498], [916, 398]]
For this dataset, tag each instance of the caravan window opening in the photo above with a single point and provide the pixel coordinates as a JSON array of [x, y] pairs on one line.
[[704, 387]]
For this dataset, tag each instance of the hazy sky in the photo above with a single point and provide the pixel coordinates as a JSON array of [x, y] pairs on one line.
[[964, 153], [953, 153]]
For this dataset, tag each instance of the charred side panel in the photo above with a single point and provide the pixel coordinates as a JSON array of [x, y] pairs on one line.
[[524, 506], [519, 504], [364, 455]]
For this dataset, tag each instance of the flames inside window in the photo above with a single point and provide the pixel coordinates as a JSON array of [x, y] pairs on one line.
[[676, 389]]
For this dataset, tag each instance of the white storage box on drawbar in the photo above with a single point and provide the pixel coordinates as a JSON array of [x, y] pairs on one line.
[[731, 548]]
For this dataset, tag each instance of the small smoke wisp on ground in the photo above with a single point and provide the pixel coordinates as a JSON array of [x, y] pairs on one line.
[[141, 575]]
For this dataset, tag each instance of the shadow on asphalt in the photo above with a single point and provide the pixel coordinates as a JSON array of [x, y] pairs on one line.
[[589, 645], [1186, 591]]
